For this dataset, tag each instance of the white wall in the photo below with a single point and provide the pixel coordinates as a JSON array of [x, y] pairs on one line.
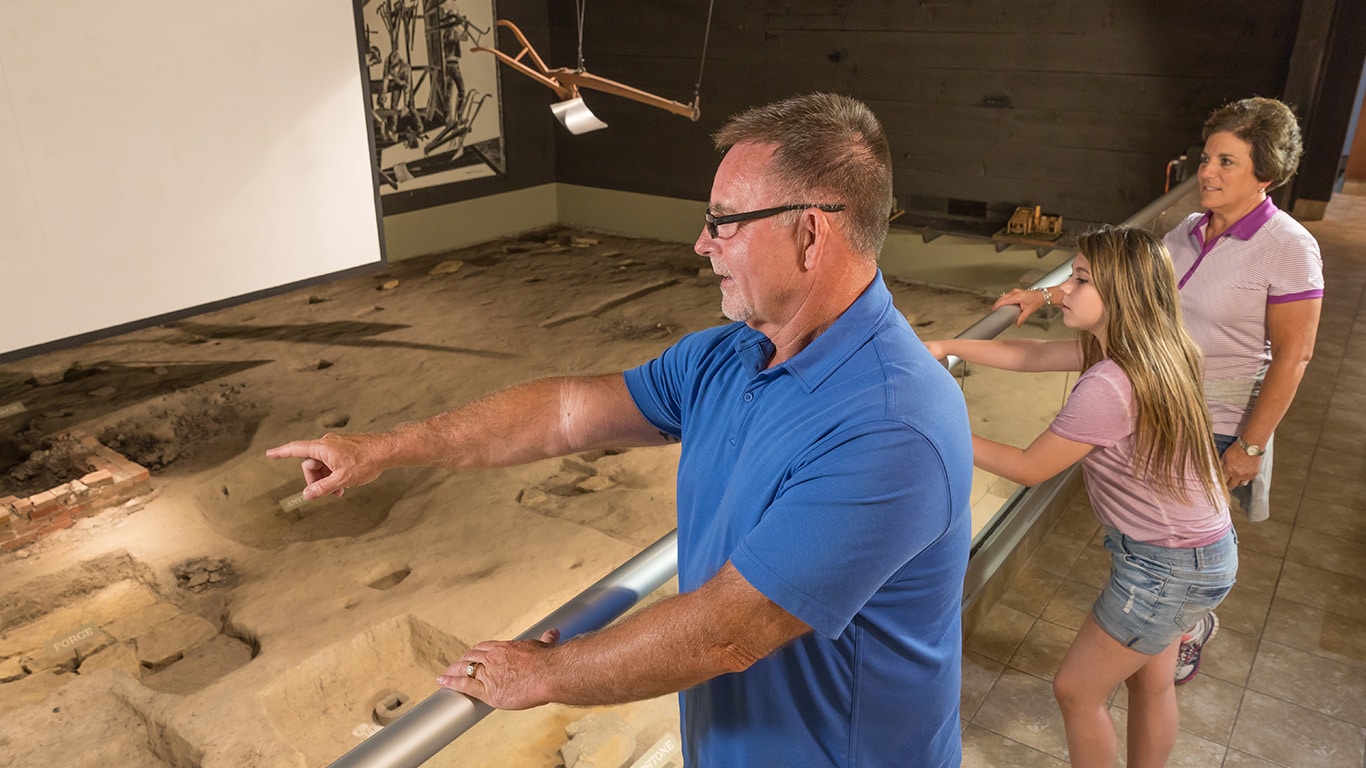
[[158, 155]]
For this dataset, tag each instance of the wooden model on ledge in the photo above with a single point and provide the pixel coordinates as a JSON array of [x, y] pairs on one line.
[[1034, 223]]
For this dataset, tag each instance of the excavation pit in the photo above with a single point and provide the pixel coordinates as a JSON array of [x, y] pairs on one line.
[[319, 705]]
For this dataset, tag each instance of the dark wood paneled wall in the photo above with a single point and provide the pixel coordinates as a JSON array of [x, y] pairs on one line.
[[1075, 105]]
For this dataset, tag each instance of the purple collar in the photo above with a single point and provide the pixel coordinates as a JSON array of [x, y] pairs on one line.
[[1243, 229]]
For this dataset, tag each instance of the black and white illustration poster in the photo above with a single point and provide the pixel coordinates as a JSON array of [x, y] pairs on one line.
[[434, 102]]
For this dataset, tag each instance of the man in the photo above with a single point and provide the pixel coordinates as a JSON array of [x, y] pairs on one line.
[[822, 487]]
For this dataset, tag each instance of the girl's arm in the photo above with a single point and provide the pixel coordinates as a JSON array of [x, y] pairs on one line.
[[1025, 355], [1048, 455]]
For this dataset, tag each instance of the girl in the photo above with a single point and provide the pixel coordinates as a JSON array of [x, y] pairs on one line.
[[1138, 423]]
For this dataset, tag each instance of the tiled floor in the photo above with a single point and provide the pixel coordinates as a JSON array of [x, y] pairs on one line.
[[1284, 683]]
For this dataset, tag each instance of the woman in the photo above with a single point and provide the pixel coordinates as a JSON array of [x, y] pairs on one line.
[[1138, 423], [1251, 283]]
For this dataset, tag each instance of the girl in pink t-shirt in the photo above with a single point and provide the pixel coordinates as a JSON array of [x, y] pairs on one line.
[[1138, 423]]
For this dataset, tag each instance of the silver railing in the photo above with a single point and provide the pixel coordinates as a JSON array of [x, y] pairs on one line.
[[1159, 216], [439, 719], [442, 717]]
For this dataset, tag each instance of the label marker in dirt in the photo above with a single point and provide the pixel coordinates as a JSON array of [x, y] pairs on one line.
[[291, 503]]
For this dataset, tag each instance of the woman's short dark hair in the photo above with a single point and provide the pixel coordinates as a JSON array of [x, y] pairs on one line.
[[1272, 130]]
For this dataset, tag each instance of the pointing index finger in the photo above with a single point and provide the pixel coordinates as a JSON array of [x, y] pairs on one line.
[[299, 449]]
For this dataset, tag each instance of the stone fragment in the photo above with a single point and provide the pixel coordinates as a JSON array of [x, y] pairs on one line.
[[170, 640], [141, 622], [532, 496], [51, 374], [664, 753], [576, 466], [200, 666], [11, 669], [388, 285], [600, 740], [102, 609], [595, 483], [119, 656], [446, 268], [98, 478]]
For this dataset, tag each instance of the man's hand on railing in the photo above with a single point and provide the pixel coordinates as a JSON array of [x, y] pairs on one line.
[[502, 673]]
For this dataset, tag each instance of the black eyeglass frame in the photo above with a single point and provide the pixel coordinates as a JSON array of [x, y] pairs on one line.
[[732, 218]]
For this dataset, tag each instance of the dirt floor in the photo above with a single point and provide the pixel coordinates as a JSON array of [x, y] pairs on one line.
[[210, 625]]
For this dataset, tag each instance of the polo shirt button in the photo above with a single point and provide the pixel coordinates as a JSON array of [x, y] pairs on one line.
[[749, 397]]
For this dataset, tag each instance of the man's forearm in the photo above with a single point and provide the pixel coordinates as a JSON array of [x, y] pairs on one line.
[[725, 626], [537, 420]]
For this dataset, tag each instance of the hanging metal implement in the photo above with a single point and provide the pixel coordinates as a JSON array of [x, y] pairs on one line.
[[572, 113]]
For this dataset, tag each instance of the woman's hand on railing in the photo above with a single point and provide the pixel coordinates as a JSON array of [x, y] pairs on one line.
[[502, 673], [1027, 299]]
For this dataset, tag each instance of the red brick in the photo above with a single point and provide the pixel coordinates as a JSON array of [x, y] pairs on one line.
[[55, 523], [44, 503], [19, 542], [6, 525], [22, 508], [98, 478]]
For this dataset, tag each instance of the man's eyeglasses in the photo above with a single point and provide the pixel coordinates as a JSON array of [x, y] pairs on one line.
[[718, 226]]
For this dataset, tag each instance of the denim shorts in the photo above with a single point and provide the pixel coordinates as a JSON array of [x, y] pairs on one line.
[[1157, 593]]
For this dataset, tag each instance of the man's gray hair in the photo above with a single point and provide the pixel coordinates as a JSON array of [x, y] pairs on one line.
[[829, 149]]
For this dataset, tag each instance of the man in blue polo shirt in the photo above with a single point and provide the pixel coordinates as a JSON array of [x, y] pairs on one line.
[[822, 487]]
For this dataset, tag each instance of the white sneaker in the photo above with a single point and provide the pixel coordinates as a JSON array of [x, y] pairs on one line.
[[1188, 658]]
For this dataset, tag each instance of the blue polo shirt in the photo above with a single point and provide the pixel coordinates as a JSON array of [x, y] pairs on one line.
[[837, 483]]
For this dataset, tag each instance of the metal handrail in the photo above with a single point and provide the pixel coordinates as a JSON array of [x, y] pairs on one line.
[[428, 727], [1150, 217]]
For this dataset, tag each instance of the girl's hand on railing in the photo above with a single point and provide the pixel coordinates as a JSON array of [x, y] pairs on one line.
[[1028, 300]]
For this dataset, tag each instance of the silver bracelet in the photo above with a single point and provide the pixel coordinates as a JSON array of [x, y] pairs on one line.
[[1047, 297]]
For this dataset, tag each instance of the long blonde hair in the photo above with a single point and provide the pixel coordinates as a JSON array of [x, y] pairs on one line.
[[1132, 272]]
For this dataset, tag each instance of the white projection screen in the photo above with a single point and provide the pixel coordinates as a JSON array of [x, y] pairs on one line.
[[158, 156]]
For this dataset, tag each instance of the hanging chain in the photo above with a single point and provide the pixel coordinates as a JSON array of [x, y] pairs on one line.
[[581, 6], [706, 36]]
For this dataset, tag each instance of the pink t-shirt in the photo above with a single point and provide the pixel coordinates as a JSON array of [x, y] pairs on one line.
[[1266, 257], [1100, 412]]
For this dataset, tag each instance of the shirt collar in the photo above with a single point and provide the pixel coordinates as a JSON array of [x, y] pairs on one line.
[[828, 351], [1246, 227]]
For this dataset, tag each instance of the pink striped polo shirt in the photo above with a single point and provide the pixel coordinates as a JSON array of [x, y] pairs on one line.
[[1266, 257], [1100, 411]]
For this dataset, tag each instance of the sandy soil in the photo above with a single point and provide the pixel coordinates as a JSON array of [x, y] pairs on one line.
[[294, 623]]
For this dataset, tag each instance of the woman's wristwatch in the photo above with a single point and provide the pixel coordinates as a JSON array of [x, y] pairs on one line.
[[1249, 448]]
